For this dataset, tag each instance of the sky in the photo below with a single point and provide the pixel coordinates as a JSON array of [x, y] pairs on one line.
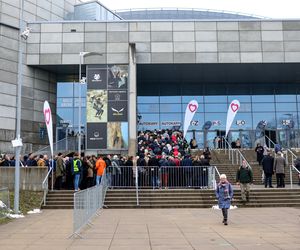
[[266, 8]]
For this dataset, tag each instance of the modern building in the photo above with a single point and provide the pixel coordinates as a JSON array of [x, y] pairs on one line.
[[142, 67]]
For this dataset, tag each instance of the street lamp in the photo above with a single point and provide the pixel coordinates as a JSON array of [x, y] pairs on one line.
[[17, 143], [82, 80]]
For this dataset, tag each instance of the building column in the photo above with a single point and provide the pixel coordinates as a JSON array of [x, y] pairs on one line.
[[132, 148]]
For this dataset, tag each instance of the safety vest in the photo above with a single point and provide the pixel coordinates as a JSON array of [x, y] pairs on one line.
[[75, 165]]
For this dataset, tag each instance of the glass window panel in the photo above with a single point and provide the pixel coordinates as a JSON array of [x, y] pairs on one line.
[[286, 107], [147, 99], [170, 99], [66, 115], [170, 120], [197, 121], [82, 87], [245, 107], [218, 120], [241, 98], [83, 102], [215, 99], [285, 98], [187, 99], [242, 121], [148, 122], [64, 102], [259, 107], [220, 107], [165, 108], [148, 108], [268, 118], [263, 98], [64, 89], [83, 117], [287, 120]]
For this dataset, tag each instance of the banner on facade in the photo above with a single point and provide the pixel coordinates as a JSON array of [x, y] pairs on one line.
[[190, 111], [48, 121], [107, 107], [232, 111]]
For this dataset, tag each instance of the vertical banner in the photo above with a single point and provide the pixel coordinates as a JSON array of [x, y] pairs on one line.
[[107, 107], [190, 111], [48, 121], [232, 111]]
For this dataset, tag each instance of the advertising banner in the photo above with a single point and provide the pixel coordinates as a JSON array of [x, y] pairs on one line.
[[48, 121], [190, 111], [107, 107], [232, 111]]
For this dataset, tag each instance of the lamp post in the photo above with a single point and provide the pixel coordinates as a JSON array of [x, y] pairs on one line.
[[22, 35], [82, 80]]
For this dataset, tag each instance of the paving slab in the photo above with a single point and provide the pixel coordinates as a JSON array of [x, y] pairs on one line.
[[157, 229]]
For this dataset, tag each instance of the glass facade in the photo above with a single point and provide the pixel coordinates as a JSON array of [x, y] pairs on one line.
[[68, 107], [278, 113]]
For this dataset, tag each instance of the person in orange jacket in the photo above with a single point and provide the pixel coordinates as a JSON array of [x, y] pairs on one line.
[[100, 167]]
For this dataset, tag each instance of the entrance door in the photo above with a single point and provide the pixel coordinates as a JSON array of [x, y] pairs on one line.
[[272, 135]]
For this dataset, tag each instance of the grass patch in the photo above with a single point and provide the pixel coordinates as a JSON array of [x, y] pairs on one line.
[[29, 200]]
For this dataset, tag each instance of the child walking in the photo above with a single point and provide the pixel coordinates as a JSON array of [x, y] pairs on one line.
[[224, 193]]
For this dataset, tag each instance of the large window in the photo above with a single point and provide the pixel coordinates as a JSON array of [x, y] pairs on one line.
[[68, 105], [275, 111]]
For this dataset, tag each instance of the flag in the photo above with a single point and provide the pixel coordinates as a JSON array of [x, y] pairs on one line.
[[232, 110], [190, 111]]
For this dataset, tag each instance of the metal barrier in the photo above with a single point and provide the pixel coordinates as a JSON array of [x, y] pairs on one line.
[[235, 154], [45, 184], [4, 201], [160, 177], [290, 160], [86, 205]]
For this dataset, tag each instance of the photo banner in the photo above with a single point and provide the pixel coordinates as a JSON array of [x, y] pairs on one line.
[[107, 107], [190, 111], [48, 121], [232, 111]]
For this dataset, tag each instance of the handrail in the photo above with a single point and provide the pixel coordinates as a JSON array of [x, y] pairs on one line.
[[45, 185], [292, 165], [239, 157], [270, 141]]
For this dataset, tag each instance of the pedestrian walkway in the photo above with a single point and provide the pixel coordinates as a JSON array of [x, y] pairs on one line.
[[158, 229]]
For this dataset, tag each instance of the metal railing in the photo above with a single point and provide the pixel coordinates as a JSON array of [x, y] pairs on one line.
[[4, 201], [64, 145], [45, 184], [271, 144], [160, 177], [290, 159], [235, 155], [86, 205]]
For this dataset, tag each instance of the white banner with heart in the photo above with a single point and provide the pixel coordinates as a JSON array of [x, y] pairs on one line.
[[232, 111], [48, 121], [190, 111]]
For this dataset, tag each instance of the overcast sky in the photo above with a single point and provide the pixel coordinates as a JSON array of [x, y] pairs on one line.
[[267, 8]]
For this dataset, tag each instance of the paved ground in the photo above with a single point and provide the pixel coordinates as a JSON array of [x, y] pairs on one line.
[[158, 229]]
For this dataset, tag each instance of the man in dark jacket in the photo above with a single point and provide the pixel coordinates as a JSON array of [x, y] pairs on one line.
[[244, 178], [267, 165]]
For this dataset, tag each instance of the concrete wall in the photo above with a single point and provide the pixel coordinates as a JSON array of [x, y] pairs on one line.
[[167, 42], [38, 85], [35, 10], [31, 178]]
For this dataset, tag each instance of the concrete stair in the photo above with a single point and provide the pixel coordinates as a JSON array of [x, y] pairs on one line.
[[59, 199], [193, 198]]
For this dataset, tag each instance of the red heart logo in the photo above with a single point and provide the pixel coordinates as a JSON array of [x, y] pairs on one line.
[[47, 114], [234, 107], [192, 107]]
